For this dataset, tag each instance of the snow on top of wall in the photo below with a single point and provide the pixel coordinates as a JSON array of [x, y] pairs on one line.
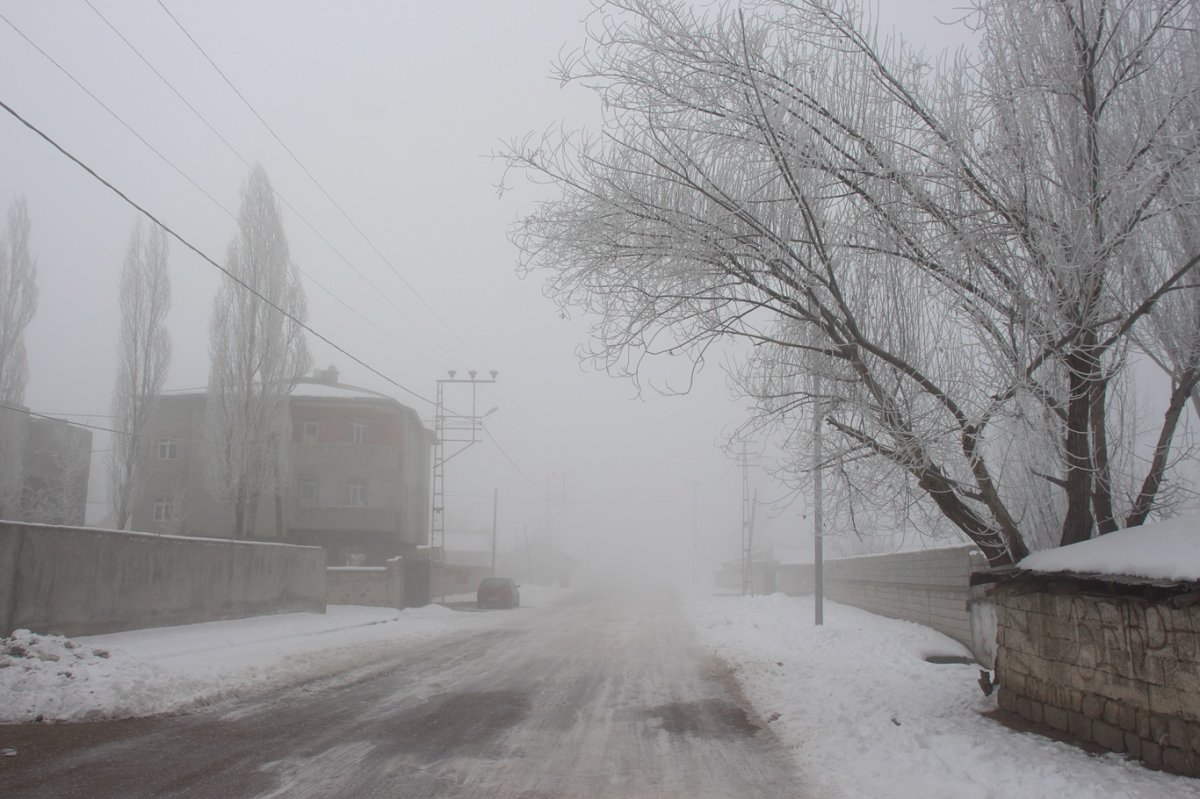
[[1167, 550]]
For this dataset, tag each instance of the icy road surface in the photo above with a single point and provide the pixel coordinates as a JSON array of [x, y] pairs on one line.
[[594, 697]]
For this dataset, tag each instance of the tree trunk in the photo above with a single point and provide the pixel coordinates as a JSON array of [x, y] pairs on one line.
[[251, 515], [1158, 464], [1102, 505], [1078, 521]]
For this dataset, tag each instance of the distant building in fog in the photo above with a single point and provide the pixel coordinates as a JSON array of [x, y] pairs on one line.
[[359, 482], [55, 465]]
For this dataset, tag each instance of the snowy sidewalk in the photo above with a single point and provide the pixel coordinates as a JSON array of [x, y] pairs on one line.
[[167, 669], [864, 715]]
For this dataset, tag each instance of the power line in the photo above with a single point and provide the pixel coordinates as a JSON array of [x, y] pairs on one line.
[[510, 460], [244, 161], [101, 428], [203, 191], [223, 270], [117, 117], [318, 184]]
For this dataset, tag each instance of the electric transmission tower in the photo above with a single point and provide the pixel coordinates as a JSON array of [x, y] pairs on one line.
[[461, 431]]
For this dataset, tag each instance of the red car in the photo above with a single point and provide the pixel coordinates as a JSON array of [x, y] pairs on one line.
[[498, 592]]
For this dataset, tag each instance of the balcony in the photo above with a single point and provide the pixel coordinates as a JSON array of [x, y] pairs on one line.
[[325, 517], [353, 456]]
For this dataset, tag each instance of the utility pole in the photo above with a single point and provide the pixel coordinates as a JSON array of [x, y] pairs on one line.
[[556, 503], [747, 531], [695, 530], [495, 509], [459, 430], [528, 555], [750, 543], [818, 509]]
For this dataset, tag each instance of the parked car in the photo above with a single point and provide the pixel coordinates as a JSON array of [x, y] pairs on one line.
[[498, 592]]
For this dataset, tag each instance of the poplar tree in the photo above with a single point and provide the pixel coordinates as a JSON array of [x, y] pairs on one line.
[[258, 352]]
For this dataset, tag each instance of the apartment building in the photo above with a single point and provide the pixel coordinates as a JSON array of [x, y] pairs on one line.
[[359, 477]]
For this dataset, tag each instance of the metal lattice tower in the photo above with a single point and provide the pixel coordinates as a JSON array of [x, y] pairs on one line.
[[454, 428]]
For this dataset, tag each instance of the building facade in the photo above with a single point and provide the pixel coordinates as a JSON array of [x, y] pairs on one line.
[[358, 485]]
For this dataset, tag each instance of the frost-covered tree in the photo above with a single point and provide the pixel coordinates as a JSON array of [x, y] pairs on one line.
[[959, 250], [258, 353], [18, 300], [143, 357]]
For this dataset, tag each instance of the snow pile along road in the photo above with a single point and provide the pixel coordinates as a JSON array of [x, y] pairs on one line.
[[864, 714], [168, 669], [49, 677]]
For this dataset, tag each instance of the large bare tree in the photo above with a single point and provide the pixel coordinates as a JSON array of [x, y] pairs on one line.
[[258, 352], [958, 250], [18, 300], [143, 358]]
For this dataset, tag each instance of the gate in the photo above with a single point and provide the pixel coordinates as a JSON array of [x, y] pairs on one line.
[[418, 572]]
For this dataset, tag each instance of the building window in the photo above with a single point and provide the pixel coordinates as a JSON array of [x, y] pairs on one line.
[[356, 493], [168, 449], [358, 431], [308, 491], [312, 431], [164, 509]]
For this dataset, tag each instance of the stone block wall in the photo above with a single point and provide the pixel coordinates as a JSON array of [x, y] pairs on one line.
[[1110, 667]]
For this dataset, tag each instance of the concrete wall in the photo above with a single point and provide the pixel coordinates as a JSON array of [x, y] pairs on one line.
[[375, 586], [82, 581], [931, 587], [1121, 671]]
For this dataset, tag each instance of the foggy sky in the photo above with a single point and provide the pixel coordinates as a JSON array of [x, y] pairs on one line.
[[394, 107]]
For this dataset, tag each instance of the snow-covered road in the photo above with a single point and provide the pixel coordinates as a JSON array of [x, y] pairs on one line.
[[596, 696], [567, 696]]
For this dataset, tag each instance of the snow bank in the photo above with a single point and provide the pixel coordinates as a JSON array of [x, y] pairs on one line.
[[167, 669], [864, 715], [1167, 550]]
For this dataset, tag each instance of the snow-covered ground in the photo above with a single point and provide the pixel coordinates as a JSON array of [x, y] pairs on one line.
[[162, 670], [864, 715], [854, 702]]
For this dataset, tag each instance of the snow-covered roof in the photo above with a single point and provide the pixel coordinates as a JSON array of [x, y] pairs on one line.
[[1167, 550], [319, 390], [305, 388]]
